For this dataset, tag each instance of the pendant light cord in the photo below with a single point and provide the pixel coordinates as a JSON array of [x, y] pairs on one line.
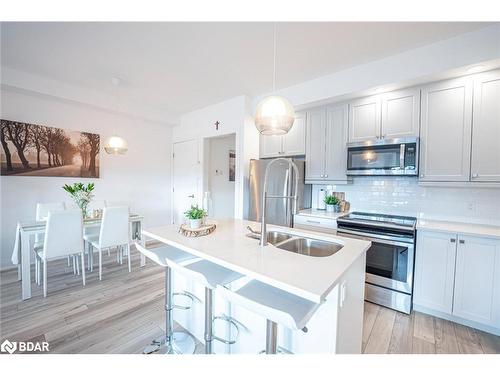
[[274, 58]]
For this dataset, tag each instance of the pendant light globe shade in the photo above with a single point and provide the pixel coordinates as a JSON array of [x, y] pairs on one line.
[[116, 145], [274, 116]]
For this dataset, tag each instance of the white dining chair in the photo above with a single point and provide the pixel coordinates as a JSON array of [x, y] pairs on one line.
[[92, 233], [42, 211], [63, 236], [114, 233]]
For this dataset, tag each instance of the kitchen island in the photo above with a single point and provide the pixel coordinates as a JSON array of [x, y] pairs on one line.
[[336, 282]]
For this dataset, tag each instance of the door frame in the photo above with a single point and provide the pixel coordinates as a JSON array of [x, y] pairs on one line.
[[172, 168]]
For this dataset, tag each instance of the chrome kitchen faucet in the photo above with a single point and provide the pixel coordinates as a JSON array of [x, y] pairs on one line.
[[265, 197]]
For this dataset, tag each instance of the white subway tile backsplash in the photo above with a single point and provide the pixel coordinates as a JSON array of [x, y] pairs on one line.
[[403, 196]]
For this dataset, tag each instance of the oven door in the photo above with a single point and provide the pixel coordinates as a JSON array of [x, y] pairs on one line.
[[388, 263]]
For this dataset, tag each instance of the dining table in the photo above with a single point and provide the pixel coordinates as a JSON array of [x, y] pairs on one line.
[[21, 255]]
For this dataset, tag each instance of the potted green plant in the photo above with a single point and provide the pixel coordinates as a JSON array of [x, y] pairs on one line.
[[81, 194], [332, 203], [195, 216]]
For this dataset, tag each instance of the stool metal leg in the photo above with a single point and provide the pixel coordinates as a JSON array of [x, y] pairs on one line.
[[271, 337], [209, 314], [172, 342]]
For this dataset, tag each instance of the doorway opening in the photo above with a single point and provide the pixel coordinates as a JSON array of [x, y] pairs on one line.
[[220, 175]]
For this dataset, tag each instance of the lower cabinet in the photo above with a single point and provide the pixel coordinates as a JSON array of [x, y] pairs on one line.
[[459, 275]]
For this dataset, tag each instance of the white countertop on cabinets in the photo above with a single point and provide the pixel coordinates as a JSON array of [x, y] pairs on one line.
[[308, 277], [460, 228], [313, 212]]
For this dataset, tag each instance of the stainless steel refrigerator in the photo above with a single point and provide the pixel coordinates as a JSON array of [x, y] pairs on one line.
[[280, 182]]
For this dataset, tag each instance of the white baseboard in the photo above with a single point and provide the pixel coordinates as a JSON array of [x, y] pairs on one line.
[[456, 319]]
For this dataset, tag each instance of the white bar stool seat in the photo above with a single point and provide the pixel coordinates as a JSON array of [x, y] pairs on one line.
[[211, 276], [173, 342], [276, 305]]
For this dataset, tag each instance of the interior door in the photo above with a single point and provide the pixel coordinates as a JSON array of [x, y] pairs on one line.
[[185, 181]]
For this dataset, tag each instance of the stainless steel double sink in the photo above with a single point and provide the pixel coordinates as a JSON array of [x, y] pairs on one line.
[[300, 245]]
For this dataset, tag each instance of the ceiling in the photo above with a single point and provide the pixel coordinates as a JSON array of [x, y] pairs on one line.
[[179, 67]]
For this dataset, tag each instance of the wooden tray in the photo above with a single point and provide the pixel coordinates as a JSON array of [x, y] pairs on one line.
[[204, 230]]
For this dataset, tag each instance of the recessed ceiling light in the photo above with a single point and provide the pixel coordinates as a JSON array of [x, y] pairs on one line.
[[475, 68]]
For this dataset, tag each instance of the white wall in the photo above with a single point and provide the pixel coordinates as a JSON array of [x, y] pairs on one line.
[[141, 177], [221, 189], [403, 195], [235, 117]]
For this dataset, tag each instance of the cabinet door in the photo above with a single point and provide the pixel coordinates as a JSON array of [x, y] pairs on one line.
[[271, 146], [445, 136], [364, 119], [401, 113], [486, 128], [336, 139], [435, 270], [294, 142], [477, 280], [315, 144]]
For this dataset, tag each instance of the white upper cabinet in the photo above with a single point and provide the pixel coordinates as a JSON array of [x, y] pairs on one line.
[[291, 144], [364, 119], [445, 135], [477, 280], [294, 142], [326, 144], [271, 146], [336, 140], [486, 128], [401, 114], [315, 144], [435, 270], [391, 115]]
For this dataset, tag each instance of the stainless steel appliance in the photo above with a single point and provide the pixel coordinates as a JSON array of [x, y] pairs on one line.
[[390, 259], [391, 156], [280, 181]]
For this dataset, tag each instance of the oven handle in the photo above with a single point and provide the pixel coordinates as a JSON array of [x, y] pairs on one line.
[[380, 239]]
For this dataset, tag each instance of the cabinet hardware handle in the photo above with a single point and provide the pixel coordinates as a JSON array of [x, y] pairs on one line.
[[452, 240], [474, 175], [421, 175], [313, 222], [326, 175], [191, 196], [461, 241]]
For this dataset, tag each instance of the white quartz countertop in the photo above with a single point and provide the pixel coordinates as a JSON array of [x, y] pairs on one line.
[[313, 212], [460, 228], [308, 277]]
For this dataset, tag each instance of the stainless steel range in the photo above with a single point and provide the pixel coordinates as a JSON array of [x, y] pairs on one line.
[[390, 259]]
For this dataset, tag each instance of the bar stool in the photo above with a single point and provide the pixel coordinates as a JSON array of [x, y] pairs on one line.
[[172, 342], [211, 276], [276, 305]]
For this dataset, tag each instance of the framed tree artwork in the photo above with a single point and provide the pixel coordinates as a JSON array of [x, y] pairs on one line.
[[39, 150]]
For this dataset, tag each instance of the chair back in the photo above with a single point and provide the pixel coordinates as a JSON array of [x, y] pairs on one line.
[[63, 233], [96, 205], [42, 211], [115, 227]]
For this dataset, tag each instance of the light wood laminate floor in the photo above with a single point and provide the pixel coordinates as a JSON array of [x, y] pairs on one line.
[[124, 312]]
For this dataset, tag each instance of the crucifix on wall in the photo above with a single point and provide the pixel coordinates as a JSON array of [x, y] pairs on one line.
[[217, 123]]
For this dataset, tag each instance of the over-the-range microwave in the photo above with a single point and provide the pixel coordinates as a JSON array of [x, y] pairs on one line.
[[381, 157]]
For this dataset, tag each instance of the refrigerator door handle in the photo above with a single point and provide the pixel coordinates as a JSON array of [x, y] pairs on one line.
[[286, 193]]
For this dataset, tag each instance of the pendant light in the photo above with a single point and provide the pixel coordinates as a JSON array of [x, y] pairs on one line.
[[274, 114], [116, 145]]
